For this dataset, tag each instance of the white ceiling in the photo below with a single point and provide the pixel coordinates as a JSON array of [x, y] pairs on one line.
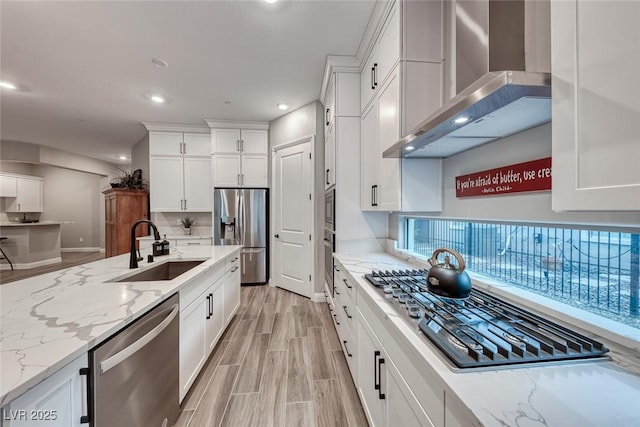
[[85, 70]]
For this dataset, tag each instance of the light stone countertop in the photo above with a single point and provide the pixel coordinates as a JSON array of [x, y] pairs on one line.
[[47, 321], [603, 393], [177, 237], [31, 224]]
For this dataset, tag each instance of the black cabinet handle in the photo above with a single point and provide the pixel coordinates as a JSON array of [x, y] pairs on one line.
[[234, 269], [336, 319], [208, 307], [344, 307], [346, 349], [376, 384], [336, 291], [381, 395], [327, 176], [211, 305], [326, 117], [372, 190], [347, 283], [374, 195], [372, 71], [86, 419], [375, 75], [336, 268]]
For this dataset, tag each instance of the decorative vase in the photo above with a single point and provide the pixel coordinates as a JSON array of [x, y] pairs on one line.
[[187, 231]]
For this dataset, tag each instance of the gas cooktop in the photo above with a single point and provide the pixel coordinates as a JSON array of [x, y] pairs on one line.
[[482, 330]]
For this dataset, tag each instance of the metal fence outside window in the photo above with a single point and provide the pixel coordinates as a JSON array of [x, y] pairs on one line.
[[597, 271]]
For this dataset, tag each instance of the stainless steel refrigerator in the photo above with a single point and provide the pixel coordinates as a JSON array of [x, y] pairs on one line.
[[240, 218]]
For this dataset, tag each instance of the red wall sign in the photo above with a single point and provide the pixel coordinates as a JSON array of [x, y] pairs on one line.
[[518, 178]]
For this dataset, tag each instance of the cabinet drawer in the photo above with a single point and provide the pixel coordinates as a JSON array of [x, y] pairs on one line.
[[232, 262], [345, 285], [199, 284], [193, 242]]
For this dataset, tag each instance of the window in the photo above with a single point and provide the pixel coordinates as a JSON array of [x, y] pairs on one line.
[[597, 271]]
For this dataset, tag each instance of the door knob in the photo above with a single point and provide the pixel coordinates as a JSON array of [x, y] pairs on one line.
[[277, 236]]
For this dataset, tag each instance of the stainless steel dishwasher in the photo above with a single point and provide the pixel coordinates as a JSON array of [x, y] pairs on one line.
[[134, 374]]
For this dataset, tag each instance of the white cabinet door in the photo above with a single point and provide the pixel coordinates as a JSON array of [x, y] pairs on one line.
[[403, 409], [367, 86], [165, 143], [58, 401], [215, 314], [254, 141], [226, 170], [166, 191], [388, 197], [28, 196], [330, 158], [595, 109], [231, 293], [330, 104], [255, 170], [369, 157], [369, 370], [198, 191], [8, 186], [197, 144], [225, 140], [388, 47], [193, 348]]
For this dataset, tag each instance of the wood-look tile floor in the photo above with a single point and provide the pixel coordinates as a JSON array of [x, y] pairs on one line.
[[278, 364]]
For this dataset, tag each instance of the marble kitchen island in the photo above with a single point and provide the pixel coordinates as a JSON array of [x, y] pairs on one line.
[[31, 245], [49, 320]]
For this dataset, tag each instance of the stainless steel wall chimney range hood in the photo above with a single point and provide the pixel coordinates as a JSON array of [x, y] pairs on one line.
[[502, 57]]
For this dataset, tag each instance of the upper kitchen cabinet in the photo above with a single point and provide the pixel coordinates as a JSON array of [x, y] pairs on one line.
[[595, 108], [393, 184], [240, 154], [341, 100], [410, 34], [401, 84], [178, 143], [23, 193], [231, 141], [179, 168]]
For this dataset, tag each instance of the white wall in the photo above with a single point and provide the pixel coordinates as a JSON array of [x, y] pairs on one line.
[[532, 207], [303, 122]]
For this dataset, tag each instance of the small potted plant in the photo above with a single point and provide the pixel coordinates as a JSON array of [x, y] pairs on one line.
[[186, 224], [131, 180]]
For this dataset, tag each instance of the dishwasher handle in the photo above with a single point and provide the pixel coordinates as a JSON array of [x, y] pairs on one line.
[[129, 351]]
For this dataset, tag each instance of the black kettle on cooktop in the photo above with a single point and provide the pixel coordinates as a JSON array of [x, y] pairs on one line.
[[445, 279]]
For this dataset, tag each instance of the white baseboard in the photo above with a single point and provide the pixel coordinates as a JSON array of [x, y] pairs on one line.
[[318, 297], [25, 266], [85, 249]]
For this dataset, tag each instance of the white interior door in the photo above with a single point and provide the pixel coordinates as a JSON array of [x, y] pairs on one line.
[[293, 219]]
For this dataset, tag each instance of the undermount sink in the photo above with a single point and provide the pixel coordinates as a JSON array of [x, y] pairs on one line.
[[166, 271]]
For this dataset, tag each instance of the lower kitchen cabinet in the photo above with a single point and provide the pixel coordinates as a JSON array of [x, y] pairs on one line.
[[386, 398], [206, 308], [58, 401], [232, 291]]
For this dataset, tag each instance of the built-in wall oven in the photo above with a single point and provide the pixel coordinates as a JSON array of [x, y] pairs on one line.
[[329, 236]]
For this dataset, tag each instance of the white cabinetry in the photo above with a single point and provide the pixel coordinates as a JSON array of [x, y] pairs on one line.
[[58, 401], [8, 186], [240, 156], [28, 193], [595, 109], [401, 84], [386, 398], [330, 157], [180, 172], [180, 183], [206, 307]]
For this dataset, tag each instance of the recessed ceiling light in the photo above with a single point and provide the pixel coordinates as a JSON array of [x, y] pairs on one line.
[[227, 102], [282, 106], [159, 62], [270, 1], [460, 120], [157, 98], [8, 85], [409, 147], [122, 157]]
